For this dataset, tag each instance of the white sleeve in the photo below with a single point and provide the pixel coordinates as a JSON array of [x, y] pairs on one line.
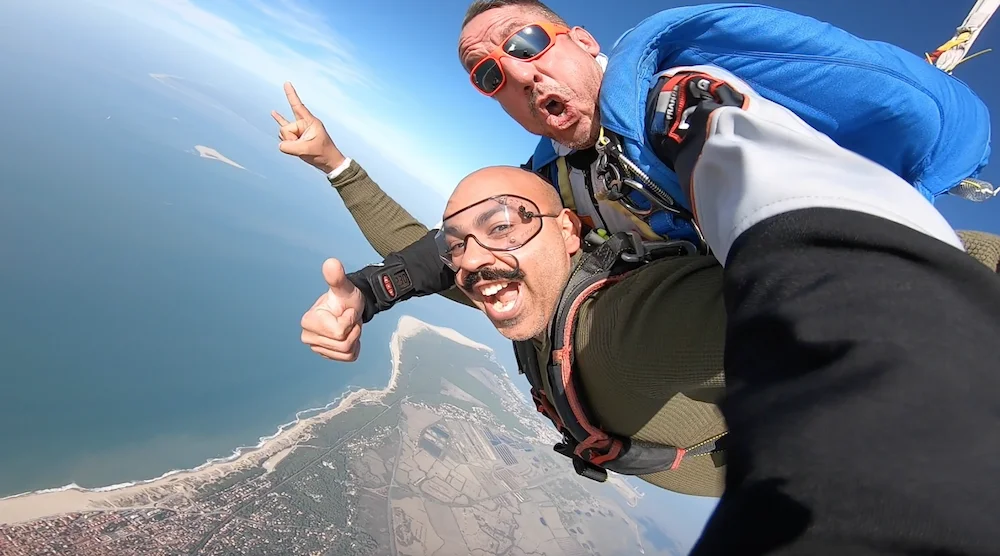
[[763, 161], [339, 169]]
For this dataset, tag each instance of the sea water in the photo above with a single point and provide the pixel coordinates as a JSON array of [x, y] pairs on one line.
[[150, 298]]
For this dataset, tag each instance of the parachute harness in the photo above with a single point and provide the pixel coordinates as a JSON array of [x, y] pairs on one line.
[[621, 176], [593, 450]]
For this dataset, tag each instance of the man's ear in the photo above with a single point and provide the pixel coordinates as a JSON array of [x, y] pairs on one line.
[[569, 226], [585, 40]]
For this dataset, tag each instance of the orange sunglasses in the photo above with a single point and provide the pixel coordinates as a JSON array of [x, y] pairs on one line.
[[525, 44]]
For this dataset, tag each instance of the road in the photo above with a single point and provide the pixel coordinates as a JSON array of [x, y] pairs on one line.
[[388, 491], [208, 537]]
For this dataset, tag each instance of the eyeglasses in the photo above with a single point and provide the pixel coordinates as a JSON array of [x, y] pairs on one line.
[[525, 44], [499, 223]]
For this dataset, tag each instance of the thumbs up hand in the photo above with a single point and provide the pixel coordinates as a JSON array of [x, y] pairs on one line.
[[332, 326]]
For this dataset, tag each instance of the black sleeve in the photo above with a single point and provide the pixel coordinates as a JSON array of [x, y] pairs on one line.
[[415, 271], [862, 392]]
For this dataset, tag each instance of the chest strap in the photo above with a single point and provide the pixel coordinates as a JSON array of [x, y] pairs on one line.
[[593, 450]]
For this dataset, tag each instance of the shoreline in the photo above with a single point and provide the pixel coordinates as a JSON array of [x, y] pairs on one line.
[[46, 503]]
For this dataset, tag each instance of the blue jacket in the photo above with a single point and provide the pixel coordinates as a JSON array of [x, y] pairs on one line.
[[873, 98]]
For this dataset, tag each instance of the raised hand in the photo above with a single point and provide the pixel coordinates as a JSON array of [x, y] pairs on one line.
[[332, 326], [306, 137]]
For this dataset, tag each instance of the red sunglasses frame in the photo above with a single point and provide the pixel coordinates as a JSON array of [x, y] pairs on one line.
[[552, 30]]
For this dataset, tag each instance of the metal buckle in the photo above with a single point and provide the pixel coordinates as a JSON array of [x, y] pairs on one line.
[[654, 200], [618, 190], [614, 182], [646, 251]]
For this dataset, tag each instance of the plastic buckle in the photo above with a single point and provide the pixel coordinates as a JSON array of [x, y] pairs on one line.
[[391, 283], [638, 248], [582, 467], [589, 470]]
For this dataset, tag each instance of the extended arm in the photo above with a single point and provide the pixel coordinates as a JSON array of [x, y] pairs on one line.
[[387, 226], [860, 367], [411, 263]]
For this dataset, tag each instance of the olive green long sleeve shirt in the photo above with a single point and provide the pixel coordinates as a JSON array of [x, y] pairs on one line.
[[649, 357], [649, 349], [387, 226]]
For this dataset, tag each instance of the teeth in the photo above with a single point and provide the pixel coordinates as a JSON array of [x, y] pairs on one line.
[[492, 289], [503, 307]]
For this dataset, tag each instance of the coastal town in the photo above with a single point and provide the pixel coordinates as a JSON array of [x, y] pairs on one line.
[[448, 459]]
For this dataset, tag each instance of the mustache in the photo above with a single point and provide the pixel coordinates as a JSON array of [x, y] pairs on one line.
[[473, 278]]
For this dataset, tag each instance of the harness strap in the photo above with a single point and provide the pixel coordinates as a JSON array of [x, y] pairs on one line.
[[565, 188], [593, 450], [605, 448]]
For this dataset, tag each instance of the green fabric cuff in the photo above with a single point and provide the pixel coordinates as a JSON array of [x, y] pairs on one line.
[[352, 174]]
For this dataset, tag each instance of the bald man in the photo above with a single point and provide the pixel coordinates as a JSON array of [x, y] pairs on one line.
[[840, 378], [638, 374], [648, 349], [511, 266]]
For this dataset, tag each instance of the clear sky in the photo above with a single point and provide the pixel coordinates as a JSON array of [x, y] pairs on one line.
[[387, 70], [385, 78]]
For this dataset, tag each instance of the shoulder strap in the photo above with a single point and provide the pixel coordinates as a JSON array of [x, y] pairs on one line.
[[527, 364], [593, 450]]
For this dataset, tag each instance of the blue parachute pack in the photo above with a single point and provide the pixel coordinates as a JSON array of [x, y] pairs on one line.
[[873, 98]]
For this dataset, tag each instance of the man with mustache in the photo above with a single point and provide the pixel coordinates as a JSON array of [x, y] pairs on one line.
[[835, 275], [602, 150]]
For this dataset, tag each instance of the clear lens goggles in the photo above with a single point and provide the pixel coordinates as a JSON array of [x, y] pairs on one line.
[[500, 223]]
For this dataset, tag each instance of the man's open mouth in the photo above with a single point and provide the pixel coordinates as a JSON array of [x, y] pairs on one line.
[[555, 111], [500, 298], [555, 107]]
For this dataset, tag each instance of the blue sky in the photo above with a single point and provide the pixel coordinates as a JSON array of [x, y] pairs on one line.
[[387, 72], [385, 78]]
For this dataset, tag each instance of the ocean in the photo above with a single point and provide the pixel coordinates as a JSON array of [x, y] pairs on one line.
[[151, 298]]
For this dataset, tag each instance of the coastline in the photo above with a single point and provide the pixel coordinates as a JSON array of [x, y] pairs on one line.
[[71, 498]]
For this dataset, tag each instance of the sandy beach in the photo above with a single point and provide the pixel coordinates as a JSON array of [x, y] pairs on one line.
[[36, 505]]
